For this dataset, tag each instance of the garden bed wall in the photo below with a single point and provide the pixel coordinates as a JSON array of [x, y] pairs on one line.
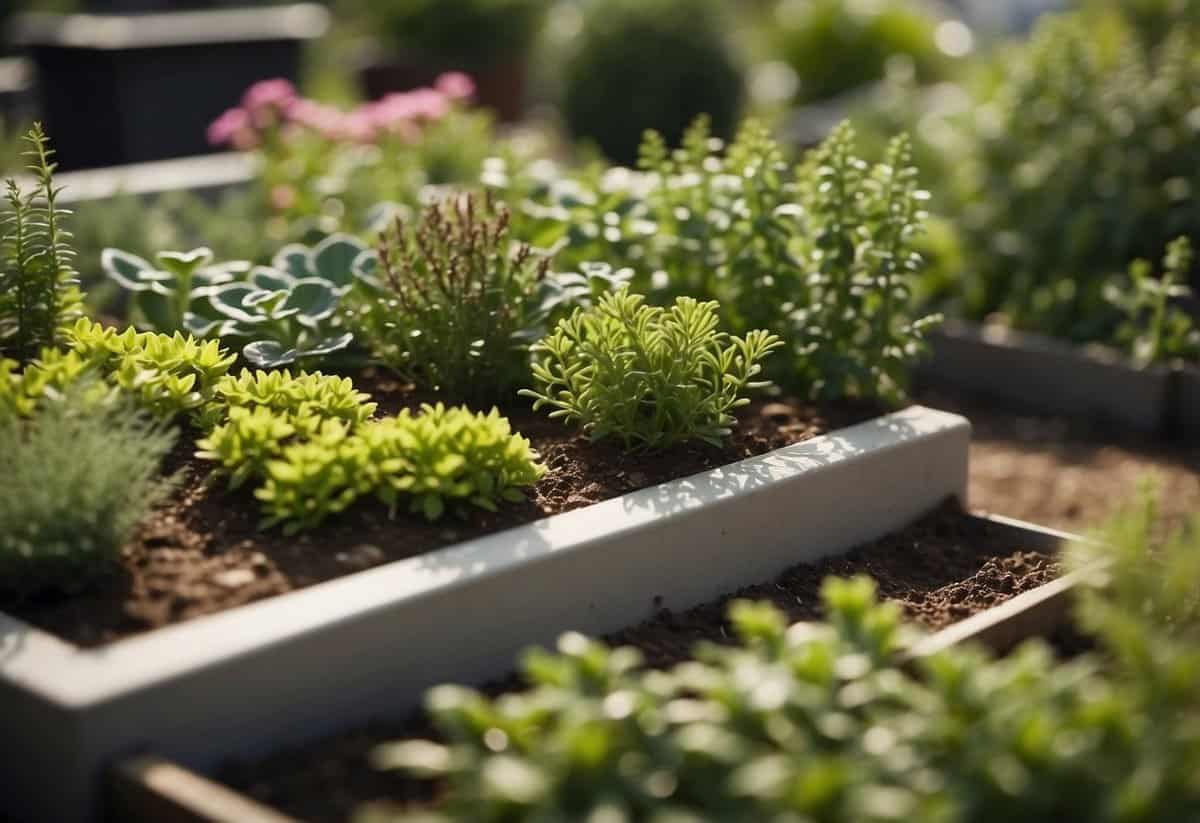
[[302, 664], [1037, 374]]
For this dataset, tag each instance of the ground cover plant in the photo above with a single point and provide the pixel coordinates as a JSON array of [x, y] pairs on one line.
[[822, 722]]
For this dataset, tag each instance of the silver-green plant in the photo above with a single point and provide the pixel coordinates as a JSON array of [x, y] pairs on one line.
[[80, 473], [650, 376]]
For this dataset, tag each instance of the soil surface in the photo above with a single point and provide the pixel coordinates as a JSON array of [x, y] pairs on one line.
[[1068, 473], [941, 569], [203, 552]]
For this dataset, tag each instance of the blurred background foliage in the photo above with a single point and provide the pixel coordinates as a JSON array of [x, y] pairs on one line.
[[1055, 158]]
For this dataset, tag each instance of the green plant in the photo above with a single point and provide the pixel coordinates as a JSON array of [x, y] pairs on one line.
[[650, 376], [38, 291], [440, 458], [450, 306], [80, 473], [288, 310], [824, 722], [464, 34], [1154, 330], [823, 255], [1084, 156], [834, 46], [172, 297], [657, 64]]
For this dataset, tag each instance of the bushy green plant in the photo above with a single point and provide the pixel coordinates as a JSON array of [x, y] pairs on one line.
[[1085, 156], [835, 46], [80, 473], [651, 377], [451, 305], [38, 286], [172, 296], [641, 64], [463, 34], [440, 458], [1153, 329], [822, 722]]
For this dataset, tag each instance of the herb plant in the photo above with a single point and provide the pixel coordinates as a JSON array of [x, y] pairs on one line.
[[174, 295], [822, 722], [438, 459], [1085, 156], [79, 473], [451, 305], [1154, 330], [650, 376], [38, 291]]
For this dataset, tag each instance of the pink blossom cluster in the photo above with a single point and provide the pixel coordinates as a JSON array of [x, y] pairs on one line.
[[275, 103]]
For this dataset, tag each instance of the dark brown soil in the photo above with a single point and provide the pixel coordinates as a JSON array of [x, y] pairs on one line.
[[941, 569], [203, 552]]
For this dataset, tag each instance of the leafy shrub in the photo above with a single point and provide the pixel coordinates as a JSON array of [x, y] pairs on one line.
[[1084, 157], [834, 46], [79, 473], [172, 297], [464, 34], [649, 64], [440, 458], [38, 292], [450, 306], [650, 376], [1154, 330], [821, 722]]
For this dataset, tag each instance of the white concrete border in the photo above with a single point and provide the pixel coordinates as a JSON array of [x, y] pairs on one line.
[[305, 663]]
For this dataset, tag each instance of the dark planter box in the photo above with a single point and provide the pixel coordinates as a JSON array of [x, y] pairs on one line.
[[132, 88], [500, 87], [1040, 375], [1186, 403]]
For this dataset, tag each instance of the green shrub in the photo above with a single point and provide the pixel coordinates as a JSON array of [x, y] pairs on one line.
[[438, 459], [80, 473], [451, 306], [461, 34], [657, 64], [172, 297], [835, 46], [38, 291], [1154, 330], [650, 376], [821, 722], [1084, 157]]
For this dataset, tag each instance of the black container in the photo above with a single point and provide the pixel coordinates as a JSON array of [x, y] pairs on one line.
[[118, 89]]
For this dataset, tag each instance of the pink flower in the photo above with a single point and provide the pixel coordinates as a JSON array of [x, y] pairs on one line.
[[359, 125], [276, 93], [283, 196], [456, 85], [310, 114], [428, 104], [233, 128]]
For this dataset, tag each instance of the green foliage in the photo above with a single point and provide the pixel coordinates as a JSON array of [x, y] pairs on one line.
[[288, 310], [462, 34], [38, 291], [434, 460], [1154, 330], [1085, 156], [167, 374], [450, 306], [657, 64], [820, 722], [650, 376], [835, 46], [79, 473], [174, 296]]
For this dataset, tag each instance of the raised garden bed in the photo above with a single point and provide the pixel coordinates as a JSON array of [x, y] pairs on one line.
[[150, 78], [196, 691], [991, 580], [1038, 374]]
